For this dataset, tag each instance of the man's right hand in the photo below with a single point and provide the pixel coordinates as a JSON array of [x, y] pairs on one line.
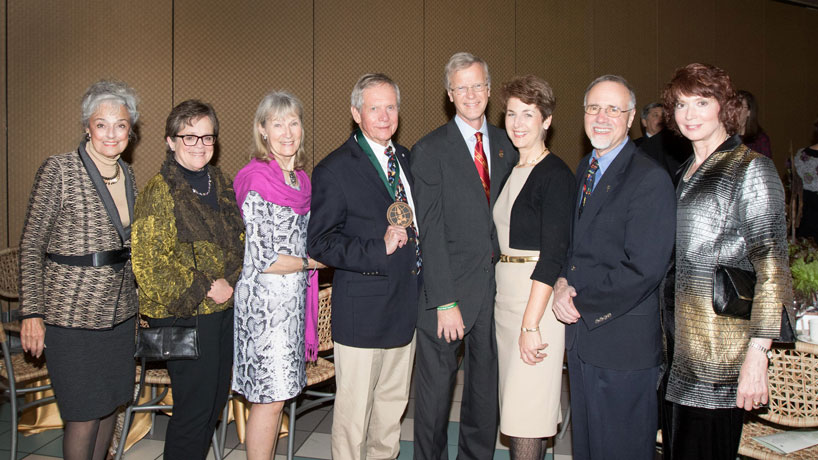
[[563, 306], [450, 324], [32, 336], [395, 237]]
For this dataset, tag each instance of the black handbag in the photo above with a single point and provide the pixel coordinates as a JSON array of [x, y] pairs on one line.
[[733, 288], [168, 342], [733, 291]]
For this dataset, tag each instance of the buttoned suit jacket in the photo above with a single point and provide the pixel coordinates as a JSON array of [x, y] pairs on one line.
[[456, 226], [620, 250], [374, 295]]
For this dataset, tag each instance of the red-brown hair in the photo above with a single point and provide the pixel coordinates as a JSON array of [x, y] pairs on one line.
[[530, 90], [703, 80]]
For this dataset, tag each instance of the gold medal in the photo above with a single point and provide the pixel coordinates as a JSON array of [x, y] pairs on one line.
[[399, 214]]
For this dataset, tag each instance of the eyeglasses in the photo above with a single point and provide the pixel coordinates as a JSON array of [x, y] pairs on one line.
[[611, 111], [478, 88], [190, 140]]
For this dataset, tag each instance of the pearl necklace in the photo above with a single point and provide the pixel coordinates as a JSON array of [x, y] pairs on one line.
[[535, 160]]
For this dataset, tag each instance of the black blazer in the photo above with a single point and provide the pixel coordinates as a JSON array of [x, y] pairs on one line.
[[374, 296], [541, 216], [456, 227], [620, 250]]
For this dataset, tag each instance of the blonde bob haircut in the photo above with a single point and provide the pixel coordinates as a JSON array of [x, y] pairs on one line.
[[277, 105]]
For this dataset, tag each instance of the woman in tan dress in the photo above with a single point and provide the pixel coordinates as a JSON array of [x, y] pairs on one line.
[[533, 219]]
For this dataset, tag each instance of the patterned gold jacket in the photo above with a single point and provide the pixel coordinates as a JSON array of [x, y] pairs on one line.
[[71, 213], [181, 245], [732, 210]]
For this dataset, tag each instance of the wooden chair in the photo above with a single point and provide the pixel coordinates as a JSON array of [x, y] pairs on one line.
[[17, 368], [793, 377], [318, 372]]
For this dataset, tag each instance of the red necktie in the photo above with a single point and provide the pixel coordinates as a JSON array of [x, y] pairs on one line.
[[482, 164]]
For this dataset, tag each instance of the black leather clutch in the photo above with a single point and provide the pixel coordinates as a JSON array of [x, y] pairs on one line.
[[733, 291]]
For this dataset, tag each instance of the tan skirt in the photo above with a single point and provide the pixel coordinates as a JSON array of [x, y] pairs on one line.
[[529, 395]]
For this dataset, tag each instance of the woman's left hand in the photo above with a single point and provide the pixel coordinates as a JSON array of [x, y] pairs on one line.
[[532, 350], [752, 381], [220, 291]]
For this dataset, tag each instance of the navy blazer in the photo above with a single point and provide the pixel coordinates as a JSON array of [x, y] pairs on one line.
[[374, 296], [620, 250]]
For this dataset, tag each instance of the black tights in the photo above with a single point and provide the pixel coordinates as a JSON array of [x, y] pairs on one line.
[[88, 440], [527, 448]]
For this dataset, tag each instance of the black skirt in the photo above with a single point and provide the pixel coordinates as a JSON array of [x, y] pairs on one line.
[[92, 371]]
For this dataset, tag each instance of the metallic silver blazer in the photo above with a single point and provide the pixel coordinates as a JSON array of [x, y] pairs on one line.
[[731, 211]]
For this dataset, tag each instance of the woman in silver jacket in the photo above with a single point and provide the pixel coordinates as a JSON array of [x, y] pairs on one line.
[[730, 212]]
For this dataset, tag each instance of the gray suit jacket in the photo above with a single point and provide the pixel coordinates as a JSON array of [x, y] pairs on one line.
[[457, 232]]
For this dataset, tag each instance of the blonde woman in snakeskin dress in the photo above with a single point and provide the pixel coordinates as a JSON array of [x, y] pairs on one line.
[[272, 297]]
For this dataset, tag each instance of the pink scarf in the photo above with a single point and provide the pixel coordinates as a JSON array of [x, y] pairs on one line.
[[267, 179]]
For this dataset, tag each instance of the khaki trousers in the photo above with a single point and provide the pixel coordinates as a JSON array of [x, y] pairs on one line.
[[372, 393]]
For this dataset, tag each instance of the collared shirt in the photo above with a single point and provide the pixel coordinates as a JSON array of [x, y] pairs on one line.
[[471, 140], [383, 160], [607, 159]]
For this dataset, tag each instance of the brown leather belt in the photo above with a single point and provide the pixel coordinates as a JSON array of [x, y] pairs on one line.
[[518, 259]]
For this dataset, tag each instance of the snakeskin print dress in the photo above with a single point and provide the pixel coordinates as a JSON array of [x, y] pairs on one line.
[[269, 309]]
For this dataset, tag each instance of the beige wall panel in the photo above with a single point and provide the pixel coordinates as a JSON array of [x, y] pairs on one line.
[[687, 33], [482, 27], [57, 49], [624, 35], [354, 37], [740, 44], [788, 108], [4, 176], [553, 43], [231, 54]]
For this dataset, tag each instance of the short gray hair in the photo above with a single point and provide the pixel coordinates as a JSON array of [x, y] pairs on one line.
[[646, 109], [368, 81], [460, 61], [615, 79], [111, 91]]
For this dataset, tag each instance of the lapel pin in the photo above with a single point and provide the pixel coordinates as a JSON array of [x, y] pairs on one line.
[[607, 189], [501, 153]]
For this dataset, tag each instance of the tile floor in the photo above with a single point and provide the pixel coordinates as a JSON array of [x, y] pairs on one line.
[[312, 437]]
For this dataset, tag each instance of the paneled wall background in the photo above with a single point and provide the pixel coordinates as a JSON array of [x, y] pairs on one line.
[[232, 53]]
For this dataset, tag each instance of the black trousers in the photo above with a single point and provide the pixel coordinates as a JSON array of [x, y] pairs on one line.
[[692, 433], [613, 412], [200, 387], [435, 372]]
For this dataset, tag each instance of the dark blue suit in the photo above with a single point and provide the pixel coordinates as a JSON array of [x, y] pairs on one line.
[[374, 296], [619, 252]]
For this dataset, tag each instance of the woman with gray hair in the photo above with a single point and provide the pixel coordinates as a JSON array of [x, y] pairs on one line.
[[78, 295], [272, 327]]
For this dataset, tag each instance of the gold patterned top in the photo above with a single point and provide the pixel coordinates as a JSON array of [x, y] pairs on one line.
[[744, 228], [181, 244]]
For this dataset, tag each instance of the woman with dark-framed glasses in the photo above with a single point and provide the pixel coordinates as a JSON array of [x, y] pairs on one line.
[[187, 257]]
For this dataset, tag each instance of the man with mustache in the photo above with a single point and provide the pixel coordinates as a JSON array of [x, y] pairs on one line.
[[623, 233]]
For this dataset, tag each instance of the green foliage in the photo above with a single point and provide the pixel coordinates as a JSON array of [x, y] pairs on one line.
[[804, 266]]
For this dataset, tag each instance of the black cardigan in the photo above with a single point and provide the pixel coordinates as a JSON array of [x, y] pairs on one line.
[[541, 216]]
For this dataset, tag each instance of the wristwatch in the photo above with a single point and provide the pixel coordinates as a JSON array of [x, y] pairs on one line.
[[761, 348]]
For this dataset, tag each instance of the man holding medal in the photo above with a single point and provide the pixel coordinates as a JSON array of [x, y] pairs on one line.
[[362, 225]]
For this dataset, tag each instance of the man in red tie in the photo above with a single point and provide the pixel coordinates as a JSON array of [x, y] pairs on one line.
[[459, 169]]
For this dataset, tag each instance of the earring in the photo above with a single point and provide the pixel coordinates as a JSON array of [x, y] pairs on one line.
[[87, 136], [264, 136]]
